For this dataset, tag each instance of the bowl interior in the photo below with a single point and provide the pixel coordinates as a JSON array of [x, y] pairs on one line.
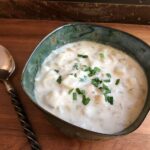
[[80, 31]]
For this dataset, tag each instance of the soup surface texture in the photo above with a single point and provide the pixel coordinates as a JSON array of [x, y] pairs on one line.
[[91, 85]]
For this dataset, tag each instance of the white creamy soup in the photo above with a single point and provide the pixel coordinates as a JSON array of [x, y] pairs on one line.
[[91, 85]]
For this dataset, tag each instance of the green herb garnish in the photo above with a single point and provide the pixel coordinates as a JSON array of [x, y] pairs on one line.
[[74, 95], [101, 55], [75, 75], [81, 92], [100, 88], [56, 70], [82, 56], [59, 79], [76, 66], [91, 71], [105, 89], [96, 82], [108, 75], [107, 80], [70, 91], [109, 99], [85, 100], [96, 69], [83, 67], [87, 68], [83, 79], [117, 81]]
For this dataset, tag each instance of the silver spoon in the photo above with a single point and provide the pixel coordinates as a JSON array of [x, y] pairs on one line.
[[7, 67]]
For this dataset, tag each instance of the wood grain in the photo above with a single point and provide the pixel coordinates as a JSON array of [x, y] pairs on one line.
[[127, 11], [20, 37]]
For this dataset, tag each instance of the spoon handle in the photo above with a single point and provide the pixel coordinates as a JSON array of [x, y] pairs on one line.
[[23, 117]]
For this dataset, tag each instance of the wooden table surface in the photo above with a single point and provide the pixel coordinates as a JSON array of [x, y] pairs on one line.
[[21, 37]]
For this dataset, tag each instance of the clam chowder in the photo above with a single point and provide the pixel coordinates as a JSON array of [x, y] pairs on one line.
[[91, 85]]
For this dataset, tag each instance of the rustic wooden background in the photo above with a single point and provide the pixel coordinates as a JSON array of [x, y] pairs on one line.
[[123, 11], [21, 37]]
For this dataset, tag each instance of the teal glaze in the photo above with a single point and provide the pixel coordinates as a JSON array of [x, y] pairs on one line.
[[83, 31]]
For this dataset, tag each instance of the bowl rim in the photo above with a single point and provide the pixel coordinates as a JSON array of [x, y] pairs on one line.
[[120, 133]]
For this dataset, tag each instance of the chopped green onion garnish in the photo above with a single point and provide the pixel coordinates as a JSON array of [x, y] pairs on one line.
[[85, 100], [107, 80], [75, 75], [101, 55], [83, 79], [74, 95], [56, 70], [86, 68], [108, 75], [109, 99], [93, 71], [117, 81], [70, 91], [96, 82], [96, 69], [76, 66], [59, 79], [81, 92], [83, 67], [105, 89], [100, 88], [82, 56]]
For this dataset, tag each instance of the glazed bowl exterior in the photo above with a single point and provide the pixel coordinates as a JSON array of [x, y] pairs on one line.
[[73, 32]]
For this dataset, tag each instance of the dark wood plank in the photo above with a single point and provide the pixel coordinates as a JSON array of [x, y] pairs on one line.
[[20, 37], [139, 2], [134, 11]]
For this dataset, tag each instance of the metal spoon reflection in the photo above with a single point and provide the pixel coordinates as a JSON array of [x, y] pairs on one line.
[[7, 67]]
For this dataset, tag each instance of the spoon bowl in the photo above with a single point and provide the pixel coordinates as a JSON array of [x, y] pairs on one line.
[[7, 64]]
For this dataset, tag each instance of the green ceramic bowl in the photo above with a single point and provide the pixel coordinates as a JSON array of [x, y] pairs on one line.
[[83, 31]]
